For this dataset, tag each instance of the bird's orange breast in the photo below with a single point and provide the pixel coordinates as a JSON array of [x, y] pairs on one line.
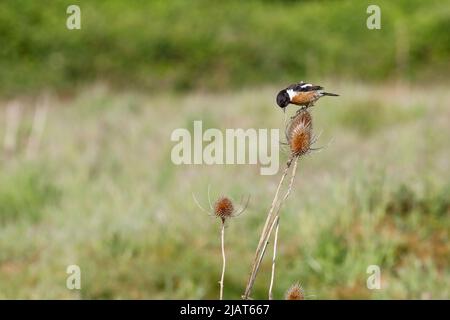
[[304, 98]]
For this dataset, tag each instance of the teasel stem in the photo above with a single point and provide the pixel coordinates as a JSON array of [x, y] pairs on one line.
[[274, 258], [222, 238], [263, 241], [299, 138], [277, 223], [223, 209]]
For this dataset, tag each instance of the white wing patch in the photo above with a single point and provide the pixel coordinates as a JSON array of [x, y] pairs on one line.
[[291, 93]]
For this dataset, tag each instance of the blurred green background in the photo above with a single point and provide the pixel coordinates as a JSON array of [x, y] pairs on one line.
[[86, 176], [219, 44]]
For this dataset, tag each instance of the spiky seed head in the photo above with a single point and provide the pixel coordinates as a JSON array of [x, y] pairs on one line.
[[300, 133], [295, 292], [303, 116], [223, 208]]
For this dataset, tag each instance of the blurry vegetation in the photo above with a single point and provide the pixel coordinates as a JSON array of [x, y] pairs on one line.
[[368, 116], [405, 201], [102, 193], [218, 44], [24, 194]]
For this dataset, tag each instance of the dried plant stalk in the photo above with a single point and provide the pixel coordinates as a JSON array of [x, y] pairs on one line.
[[223, 209], [277, 222], [263, 241], [274, 258], [222, 238], [299, 134]]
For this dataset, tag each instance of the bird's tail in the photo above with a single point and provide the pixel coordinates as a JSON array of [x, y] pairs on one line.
[[329, 94]]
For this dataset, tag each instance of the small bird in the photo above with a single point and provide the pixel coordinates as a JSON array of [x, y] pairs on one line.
[[301, 94]]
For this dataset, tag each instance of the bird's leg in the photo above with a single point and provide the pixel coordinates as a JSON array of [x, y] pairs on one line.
[[298, 111]]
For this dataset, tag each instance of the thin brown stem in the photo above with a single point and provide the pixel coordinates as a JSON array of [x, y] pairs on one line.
[[274, 257], [275, 199], [222, 238], [291, 183], [277, 223], [263, 241]]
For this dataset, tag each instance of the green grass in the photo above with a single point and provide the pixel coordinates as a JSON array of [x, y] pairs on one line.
[[102, 193], [24, 193], [154, 45]]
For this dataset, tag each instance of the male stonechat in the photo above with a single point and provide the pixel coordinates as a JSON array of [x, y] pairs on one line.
[[301, 94]]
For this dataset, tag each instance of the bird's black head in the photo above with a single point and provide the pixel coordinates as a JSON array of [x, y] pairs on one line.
[[283, 99]]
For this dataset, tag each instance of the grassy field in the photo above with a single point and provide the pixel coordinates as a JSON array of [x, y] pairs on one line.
[[102, 193], [180, 45]]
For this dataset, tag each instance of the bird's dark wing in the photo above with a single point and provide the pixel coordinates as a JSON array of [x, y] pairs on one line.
[[303, 86]]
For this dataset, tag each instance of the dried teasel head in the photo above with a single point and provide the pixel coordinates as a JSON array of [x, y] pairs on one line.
[[295, 292], [299, 133], [223, 208]]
